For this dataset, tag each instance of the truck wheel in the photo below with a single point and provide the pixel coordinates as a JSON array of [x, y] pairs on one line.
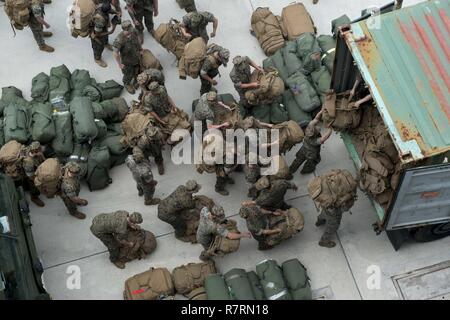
[[432, 232]]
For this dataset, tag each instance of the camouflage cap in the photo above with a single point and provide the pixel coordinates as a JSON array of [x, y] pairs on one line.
[[136, 218], [35, 146], [224, 55], [138, 155], [73, 167], [218, 212], [142, 78], [126, 25], [195, 18], [151, 131], [192, 185], [262, 183], [311, 131], [211, 96], [153, 86], [238, 60]]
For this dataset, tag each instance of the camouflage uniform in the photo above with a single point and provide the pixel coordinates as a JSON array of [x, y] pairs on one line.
[[151, 144], [204, 110], [208, 229], [30, 163], [70, 188], [143, 10], [142, 174], [241, 74], [157, 101], [188, 5], [309, 151], [196, 22], [148, 76], [332, 218], [223, 178], [257, 222], [272, 198], [211, 68], [37, 10], [101, 23], [181, 199], [129, 49], [252, 174]]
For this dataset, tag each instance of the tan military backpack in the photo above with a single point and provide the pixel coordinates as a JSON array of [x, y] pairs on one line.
[[149, 285], [192, 275], [222, 245], [18, 12], [340, 113], [169, 35], [271, 86], [192, 60], [11, 156], [80, 17], [133, 127], [268, 30], [290, 134], [149, 61], [48, 177]]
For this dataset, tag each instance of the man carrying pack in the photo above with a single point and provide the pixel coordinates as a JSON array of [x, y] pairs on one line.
[[70, 190], [128, 55], [216, 56], [194, 24], [37, 24], [142, 174], [252, 171], [310, 150], [148, 76], [112, 229], [204, 111], [241, 77], [143, 11], [151, 143], [34, 157], [100, 33], [212, 224], [271, 193], [170, 208], [158, 103]]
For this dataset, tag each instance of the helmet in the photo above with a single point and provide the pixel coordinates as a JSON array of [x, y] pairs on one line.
[[211, 96], [35, 146], [262, 183], [238, 60], [138, 155], [127, 25], [218, 212], [73, 167], [142, 78], [224, 55], [136, 218], [153, 86], [192, 185], [106, 7]]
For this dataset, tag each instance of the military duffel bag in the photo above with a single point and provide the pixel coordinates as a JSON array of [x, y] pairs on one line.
[[216, 288], [198, 294], [222, 245], [102, 129], [278, 113], [62, 144], [2, 133], [339, 113], [297, 280], [304, 93], [149, 285], [149, 61], [294, 111], [113, 142], [114, 110], [80, 155], [321, 79], [268, 30], [328, 45], [272, 281], [60, 83], [98, 165], [192, 275], [93, 93], [144, 244], [280, 65], [296, 20], [257, 289], [109, 89], [262, 112], [40, 87], [308, 50], [291, 61], [239, 285], [11, 156], [42, 126], [16, 119], [9, 95], [48, 177], [79, 80], [83, 121]]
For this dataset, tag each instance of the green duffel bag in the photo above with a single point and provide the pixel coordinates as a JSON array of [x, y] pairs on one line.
[[16, 119], [62, 144], [278, 61], [99, 112], [278, 113], [102, 128], [113, 142], [61, 72], [92, 92], [338, 22], [115, 127], [79, 80], [322, 82], [59, 89], [109, 89], [328, 45], [268, 63], [42, 127], [98, 166], [307, 44], [80, 155], [216, 288], [40, 87], [262, 112], [258, 291], [9, 95], [297, 280], [239, 285], [271, 279], [295, 113], [291, 61], [115, 109], [119, 159], [304, 93], [2, 133], [83, 119]]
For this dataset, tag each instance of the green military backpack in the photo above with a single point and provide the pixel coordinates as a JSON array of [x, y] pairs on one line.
[[297, 279], [98, 165], [239, 284]]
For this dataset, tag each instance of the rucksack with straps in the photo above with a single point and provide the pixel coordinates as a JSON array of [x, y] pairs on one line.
[[169, 35], [222, 245], [198, 294], [375, 171], [192, 60], [268, 30], [144, 244], [149, 285], [339, 113], [98, 165], [290, 134], [48, 177], [192, 275], [271, 87], [11, 156], [297, 280], [18, 12], [134, 126], [296, 20], [80, 17]]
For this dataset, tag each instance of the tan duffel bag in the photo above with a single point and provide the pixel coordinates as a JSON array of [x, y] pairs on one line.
[[149, 61], [296, 20], [48, 177], [149, 285], [192, 275], [198, 294]]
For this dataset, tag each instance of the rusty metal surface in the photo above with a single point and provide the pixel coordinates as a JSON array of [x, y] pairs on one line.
[[404, 58]]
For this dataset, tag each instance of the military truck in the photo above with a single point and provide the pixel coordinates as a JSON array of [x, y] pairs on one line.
[[402, 60], [20, 268]]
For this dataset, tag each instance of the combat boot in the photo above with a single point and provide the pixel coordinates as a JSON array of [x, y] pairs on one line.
[[130, 89], [46, 48], [152, 202], [101, 63], [160, 168], [230, 180], [223, 191], [47, 34], [37, 201], [140, 193], [79, 215], [327, 243], [152, 32], [109, 47], [119, 264], [320, 222], [47, 1]]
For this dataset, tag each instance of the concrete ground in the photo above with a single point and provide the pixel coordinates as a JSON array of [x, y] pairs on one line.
[[343, 272]]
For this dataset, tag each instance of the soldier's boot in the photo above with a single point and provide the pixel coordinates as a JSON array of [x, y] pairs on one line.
[[119, 264], [37, 201], [290, 176], [205, 256], [47, 1], [47, 34], [160, 168], [140, 192], [320, 222], [101, 63], [152, 202], [152, 32], [109, 47], [327, 243], [222, 191], [130, 89], [309, 167], [46, 48], [79, 215], [264, 246]]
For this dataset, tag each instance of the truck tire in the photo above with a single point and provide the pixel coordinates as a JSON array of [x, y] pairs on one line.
[[432, 232]]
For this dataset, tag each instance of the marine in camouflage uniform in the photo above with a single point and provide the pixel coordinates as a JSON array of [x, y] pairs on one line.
[[193, 25], [271, 193], [151, 144], [148, 76], [112, 230], [210, 68], [99, 34], [34, 157], [142, 173], [310, 149], [37, 24], [157, 102], [188, 5], [181, 199], [241, 77], [70, 190], [128, 55], [223, 178], [143, 11], [206, 109], [252, 171], [331, 217]]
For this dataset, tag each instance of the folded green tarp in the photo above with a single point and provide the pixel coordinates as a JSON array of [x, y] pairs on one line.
[[304, 93], [295, 113], [271, 279], [40, 87], [62, 144], [98, 166], [239, 285], [42, 127], [109, 89], [79, 80], [328, 45], [83, 119], [297, 280], [216, 288], [17, 120]]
